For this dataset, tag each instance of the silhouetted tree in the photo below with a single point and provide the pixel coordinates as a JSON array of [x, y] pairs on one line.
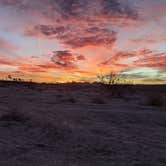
[[113, 79], [110, 79]]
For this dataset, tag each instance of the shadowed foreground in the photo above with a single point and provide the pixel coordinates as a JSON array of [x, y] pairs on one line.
[[82, 125]]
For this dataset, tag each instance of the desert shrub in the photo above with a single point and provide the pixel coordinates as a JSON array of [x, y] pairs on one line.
[[116, 84], [59, 95], [98, 100], [14, 116], [69, 100], [156, 101], [14, 79], [55, 132]]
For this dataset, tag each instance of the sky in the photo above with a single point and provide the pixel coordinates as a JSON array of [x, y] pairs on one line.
[[76, 40]]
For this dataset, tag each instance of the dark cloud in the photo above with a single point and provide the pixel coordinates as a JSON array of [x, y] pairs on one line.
[[46, 30], [11, 3], [84, 9], [76, 23], [106, 40], [76, 36], [81, 58], [66, 59], [88, 9]]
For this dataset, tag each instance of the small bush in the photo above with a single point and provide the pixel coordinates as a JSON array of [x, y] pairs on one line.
[[98, 100], [14, 116], [156, 101], [69, 100]]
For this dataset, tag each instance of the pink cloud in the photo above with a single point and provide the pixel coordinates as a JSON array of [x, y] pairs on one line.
[[7, 46], [143, 58]]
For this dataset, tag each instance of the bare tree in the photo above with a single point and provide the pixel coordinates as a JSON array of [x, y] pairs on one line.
[[110, 79], [114, 79]]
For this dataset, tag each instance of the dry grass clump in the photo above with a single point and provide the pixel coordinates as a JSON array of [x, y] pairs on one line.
[[155, 101], [98, 100], [69, 100], [14, 116]]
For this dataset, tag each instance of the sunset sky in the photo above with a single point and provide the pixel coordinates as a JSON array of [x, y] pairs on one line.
[[75, 40]]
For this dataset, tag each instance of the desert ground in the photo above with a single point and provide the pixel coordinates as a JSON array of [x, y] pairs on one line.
[[82, 125]]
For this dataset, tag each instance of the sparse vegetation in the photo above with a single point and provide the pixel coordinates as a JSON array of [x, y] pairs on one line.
[[69, 100], [116, 83], [113, 78], [80, 121], [14, 116], [109, 79], [98, 100], [11, 78], [156, 101]]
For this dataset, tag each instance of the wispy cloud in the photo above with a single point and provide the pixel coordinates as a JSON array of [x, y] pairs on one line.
[[7, 46]]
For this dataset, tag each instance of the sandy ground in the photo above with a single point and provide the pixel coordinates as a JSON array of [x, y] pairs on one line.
[[82, 127]]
